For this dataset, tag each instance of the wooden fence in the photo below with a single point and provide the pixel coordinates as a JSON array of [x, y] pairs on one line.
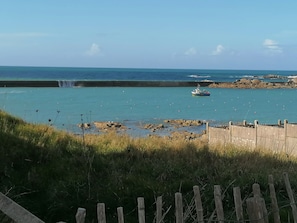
[[255, 212]]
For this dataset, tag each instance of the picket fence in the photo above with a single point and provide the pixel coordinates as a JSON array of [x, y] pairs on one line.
[[256, 210]]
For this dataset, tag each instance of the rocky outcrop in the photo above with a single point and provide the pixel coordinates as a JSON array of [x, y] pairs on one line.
[[254, 83], [183, 122], [153, 127], [107, 126], [176, 123]]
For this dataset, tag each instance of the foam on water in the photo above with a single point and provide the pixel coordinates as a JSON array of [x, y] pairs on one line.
[[66, 83]]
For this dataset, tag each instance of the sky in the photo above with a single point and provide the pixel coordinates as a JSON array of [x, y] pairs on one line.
[[190, 34]]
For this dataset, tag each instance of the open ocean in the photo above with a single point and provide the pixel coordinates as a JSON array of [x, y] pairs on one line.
[[68, 106]]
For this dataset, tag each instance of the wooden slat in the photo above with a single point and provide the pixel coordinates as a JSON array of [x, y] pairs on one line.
[[159, 204], [274, 205], [198, 204], [101, 213], [254, 209], [141, 210], [80, 215], [179, 218], [291, 196], [120, 212], [219, 203], [16, 212], [238, 204], [257, 194]]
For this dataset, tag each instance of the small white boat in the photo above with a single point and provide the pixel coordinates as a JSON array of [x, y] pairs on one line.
[[198, 92]]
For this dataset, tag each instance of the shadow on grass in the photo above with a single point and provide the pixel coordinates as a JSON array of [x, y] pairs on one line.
[[52, 174]]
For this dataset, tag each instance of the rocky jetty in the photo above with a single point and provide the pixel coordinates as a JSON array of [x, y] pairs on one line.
[[255, 83]]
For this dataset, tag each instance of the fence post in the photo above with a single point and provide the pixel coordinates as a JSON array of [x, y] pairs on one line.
[[80, 215], [159, 204], [274, 205], [219, 203], [101, 213], [257, 194], [291, 196], [120, 215], [141, 210], [254, 209], [238, 204], [230, 132], [286, 132], [198, 204], [179, 208], [256, 123]]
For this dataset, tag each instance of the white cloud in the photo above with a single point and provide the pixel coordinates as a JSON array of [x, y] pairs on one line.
[[191, 51], [272, 46], [93, 50], [218, 50]]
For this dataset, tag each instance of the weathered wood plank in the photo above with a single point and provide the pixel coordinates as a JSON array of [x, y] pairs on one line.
[[141, 210], [291, 196], [120, 212], [101, 213], [274, 204], [198, 204], [257, 194], [159, 204], [238, 204], [254, 209], [179, 218], [219, 203], [80, 215], [16, 212]]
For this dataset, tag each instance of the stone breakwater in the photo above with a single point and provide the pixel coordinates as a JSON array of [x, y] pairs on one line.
[[65, 83], [242, 83]]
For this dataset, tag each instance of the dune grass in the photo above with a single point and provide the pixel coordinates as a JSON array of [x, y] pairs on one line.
[[52, 173]]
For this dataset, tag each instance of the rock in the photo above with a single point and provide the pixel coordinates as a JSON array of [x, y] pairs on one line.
[[254, 83], [84, 125], [109, 126]]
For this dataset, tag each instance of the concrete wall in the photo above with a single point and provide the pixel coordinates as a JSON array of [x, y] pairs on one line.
[[279, 138], [33, 83]]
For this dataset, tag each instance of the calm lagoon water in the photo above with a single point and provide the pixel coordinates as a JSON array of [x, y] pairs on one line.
[[67, 107]]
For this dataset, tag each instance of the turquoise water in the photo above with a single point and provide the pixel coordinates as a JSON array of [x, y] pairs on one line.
[[67, 107]]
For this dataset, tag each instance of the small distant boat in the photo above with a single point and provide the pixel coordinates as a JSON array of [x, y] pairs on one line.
[[198, 92]]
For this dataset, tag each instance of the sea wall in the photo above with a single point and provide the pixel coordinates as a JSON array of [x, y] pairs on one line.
[[67, 83], [279, 138]]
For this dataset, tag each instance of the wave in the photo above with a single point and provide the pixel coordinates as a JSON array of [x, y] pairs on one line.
[[292, 76], [199, 76], [244, 76], [64, 83]]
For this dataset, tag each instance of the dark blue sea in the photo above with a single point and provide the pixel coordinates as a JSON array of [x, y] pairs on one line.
[[61, 73], [66, 107]]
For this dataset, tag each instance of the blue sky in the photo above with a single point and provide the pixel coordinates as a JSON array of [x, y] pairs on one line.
[[194, 34]]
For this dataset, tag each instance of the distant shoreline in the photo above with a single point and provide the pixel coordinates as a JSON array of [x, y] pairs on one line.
[[50, 83]]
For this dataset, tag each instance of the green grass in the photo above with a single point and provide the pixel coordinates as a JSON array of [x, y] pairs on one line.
[[52, 173]]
